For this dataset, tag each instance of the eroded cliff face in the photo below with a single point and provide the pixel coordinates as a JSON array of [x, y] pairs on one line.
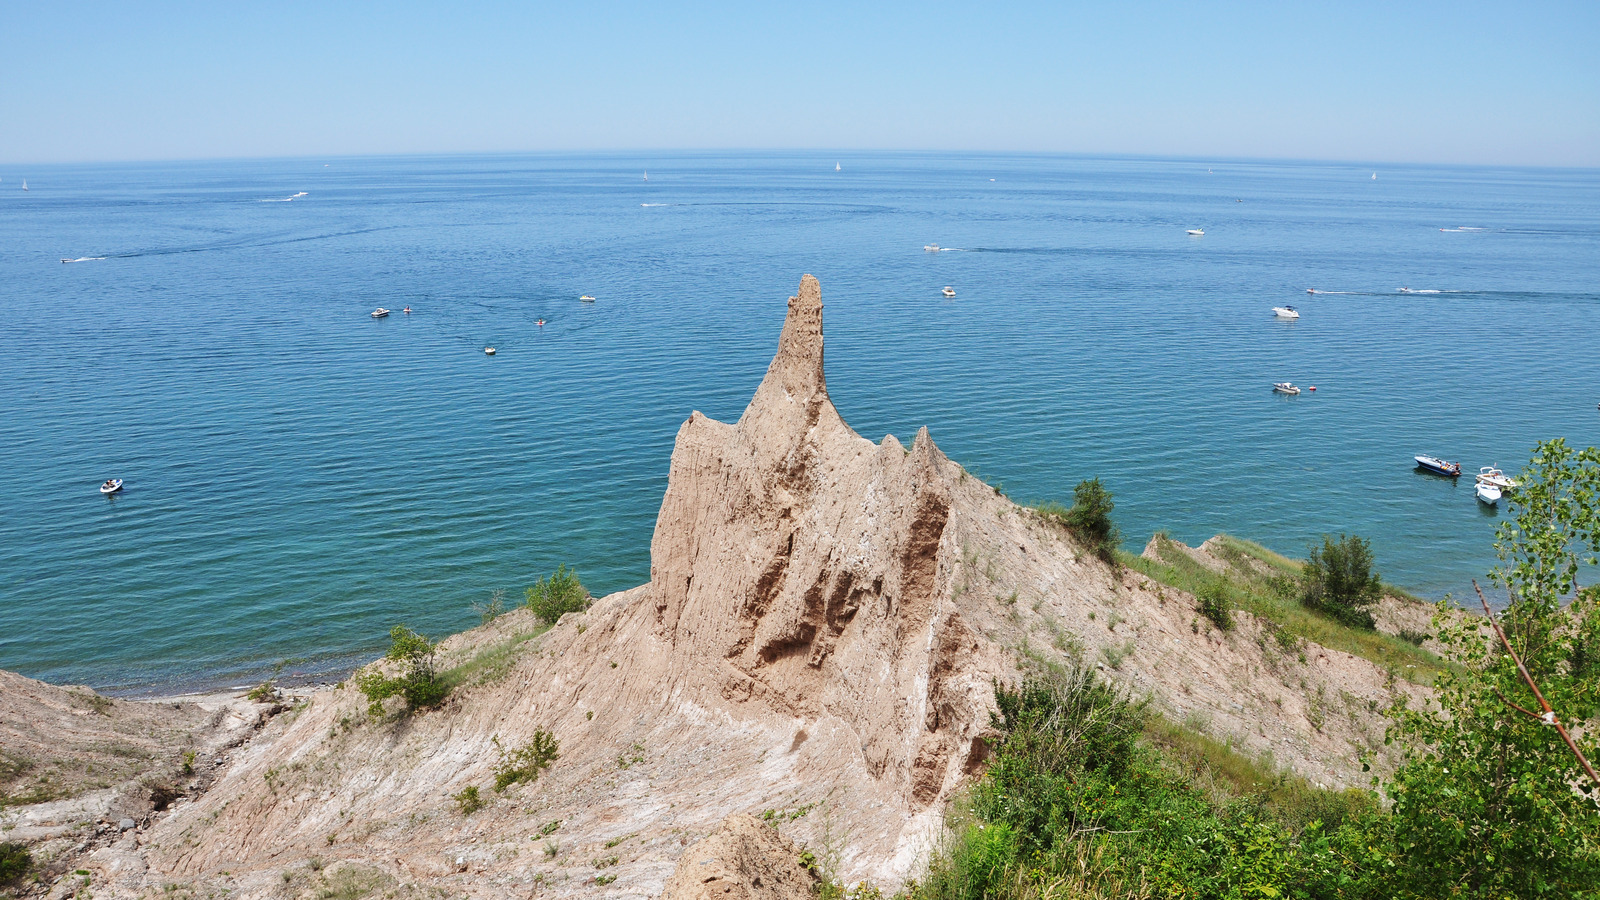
[[824, 623], [803, 563]]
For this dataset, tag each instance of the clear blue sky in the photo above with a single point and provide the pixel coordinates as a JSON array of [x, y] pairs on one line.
[[1456, 82]]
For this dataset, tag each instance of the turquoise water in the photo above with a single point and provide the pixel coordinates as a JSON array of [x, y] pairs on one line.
[[301, 476]]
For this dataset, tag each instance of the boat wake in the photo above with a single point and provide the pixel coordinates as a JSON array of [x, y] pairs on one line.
[[83, 259], [1463, 228], [658, 204], [283, 199]]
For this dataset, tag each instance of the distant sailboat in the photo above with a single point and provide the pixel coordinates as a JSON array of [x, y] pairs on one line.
[[24, 184], [836, 168], [1374, 176], [646, 174]]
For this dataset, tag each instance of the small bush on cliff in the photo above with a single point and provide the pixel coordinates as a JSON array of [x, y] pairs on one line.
[[561, 593], [1089, 518], [15, 861], [1214, 606], [526, 762], [418, 682], [468, 800], [1339, 582]]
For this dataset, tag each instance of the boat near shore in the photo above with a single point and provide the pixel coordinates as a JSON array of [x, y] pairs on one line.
[[1487, 493], [1492, 475]]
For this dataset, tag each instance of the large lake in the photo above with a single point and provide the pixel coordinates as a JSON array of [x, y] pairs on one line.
[[301, 476]]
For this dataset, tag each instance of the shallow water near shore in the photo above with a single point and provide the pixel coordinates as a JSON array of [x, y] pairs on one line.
[[300, 476]]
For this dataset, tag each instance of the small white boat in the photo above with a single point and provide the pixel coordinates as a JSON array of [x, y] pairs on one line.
[[1286, 312], [837, 167], [1488, 493], [379, 313], [931, 248], [1284, 387], [1492, 476], [488, 351], [1197, 232], [24, 184], [111, 486], [586, 299], [66, 260], [948, 291]]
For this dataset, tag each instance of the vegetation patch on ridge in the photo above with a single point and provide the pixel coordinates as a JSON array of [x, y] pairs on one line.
[[1268, 586]]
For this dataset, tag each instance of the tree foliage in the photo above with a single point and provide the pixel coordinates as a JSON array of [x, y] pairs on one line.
[[1339, 580], [1089, 518], [1490, 802], [418, 681], [561, 593]]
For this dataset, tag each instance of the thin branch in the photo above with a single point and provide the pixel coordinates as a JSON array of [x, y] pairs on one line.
[[1549, 717]]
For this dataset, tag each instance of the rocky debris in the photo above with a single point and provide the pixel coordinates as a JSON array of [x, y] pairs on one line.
[[81, 772], [742, 860], [820, 638]]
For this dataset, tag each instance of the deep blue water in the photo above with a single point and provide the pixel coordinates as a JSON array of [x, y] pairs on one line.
[[301, 476]]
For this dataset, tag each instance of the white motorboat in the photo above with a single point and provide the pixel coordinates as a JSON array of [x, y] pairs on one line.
[[488, 351], [586, 299], [111, 486], [948, 291], [1284, 387], [931, 248], [1488, 493], [379, 313], [1286, 312], [1197, 232], [1492, 476]]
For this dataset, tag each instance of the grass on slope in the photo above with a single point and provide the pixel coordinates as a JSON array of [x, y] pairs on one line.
[[1265, 584], [490, 663]]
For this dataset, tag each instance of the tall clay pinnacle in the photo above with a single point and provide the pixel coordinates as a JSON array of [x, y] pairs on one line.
[[797, 366]]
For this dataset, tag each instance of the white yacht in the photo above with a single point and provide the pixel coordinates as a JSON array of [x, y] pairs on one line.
[[1197, 232], [1488, 493], [1286, 312], [948, 291], [379, 313], [1494, 477]]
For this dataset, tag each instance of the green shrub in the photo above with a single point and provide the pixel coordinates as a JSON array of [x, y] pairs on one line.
[[265, 692], [561, 593], [418, 682], [15, 861], [526, 762], [468, 800], [1089, 518], [1214, 606], [494, 609], [1339, 581]]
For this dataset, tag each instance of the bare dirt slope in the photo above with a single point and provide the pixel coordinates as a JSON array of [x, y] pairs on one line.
[[825, 619], [78, 769]]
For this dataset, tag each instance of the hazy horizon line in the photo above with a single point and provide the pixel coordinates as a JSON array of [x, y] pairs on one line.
[[735, 151]]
